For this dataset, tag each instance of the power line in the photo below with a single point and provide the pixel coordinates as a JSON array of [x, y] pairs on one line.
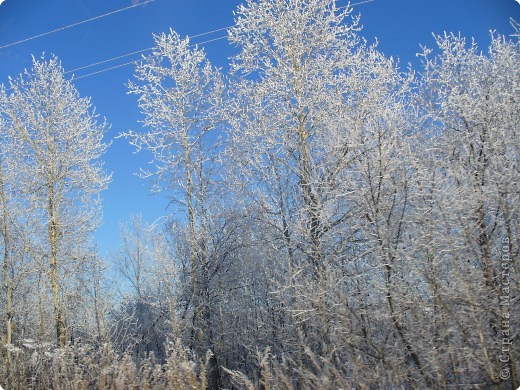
[[361, 2], [137, 52], [135, 61], [134, 52], [151, 48], [74, 24], [209, 32], [107, 60]]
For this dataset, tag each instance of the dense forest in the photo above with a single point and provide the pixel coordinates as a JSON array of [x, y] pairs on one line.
[[337, 222]]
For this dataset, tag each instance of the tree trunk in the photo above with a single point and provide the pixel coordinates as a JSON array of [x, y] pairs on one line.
[[61, 331], [315, 229], [7, 280]]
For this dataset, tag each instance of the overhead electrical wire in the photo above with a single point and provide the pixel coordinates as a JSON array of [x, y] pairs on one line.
[[134, 52], [361, 2], [142, 51], [133, 62], [74, 24], [108, 60], [151, 48]]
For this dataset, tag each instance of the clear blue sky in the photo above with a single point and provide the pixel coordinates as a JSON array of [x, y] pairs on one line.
[[400, 26]]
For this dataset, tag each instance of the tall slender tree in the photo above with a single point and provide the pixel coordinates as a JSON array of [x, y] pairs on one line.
[[181, 96], [318, 114], [58, 141], [471, 103]]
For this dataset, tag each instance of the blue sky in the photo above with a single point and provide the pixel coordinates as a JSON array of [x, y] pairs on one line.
[[400, 26]]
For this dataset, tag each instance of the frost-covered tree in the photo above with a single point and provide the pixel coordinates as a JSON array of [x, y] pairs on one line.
[[58, 142], [316, 136], [470, 203], [6, 232], [133, 259], [139, 320], [291, 63], [337, 223], [181, 96]]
